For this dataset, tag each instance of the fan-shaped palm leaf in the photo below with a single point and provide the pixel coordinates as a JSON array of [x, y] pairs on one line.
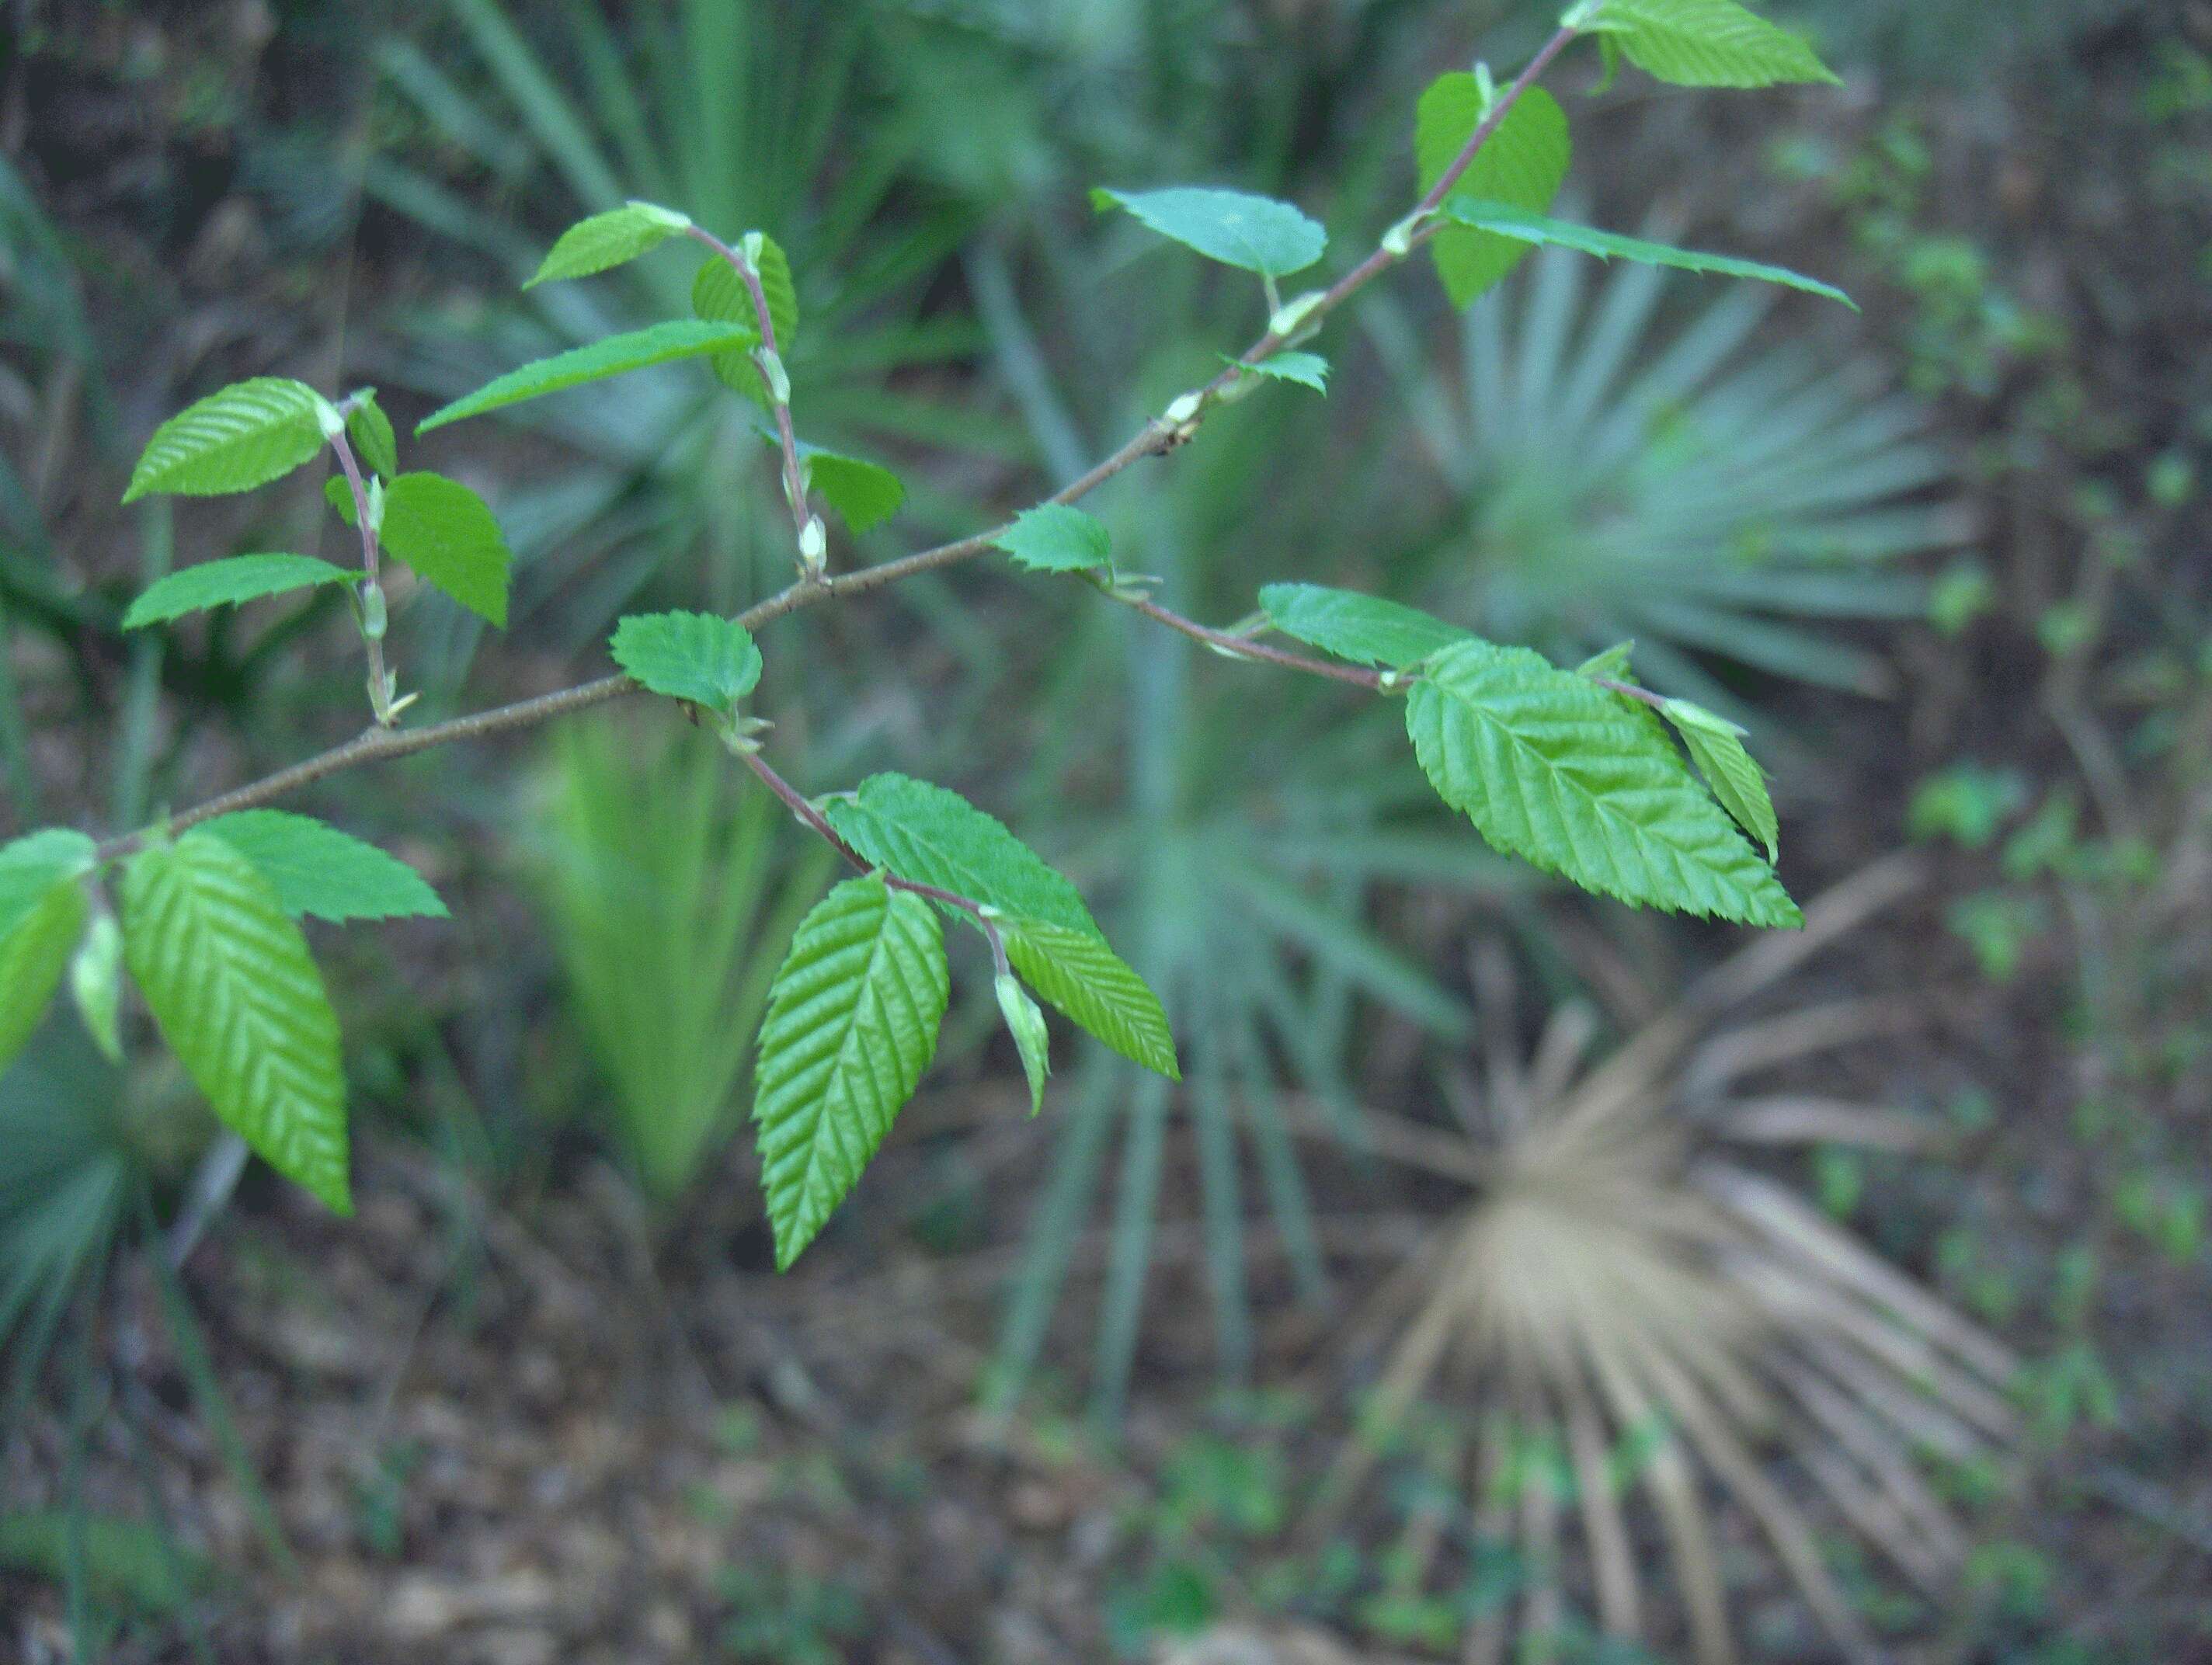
[[1622, 1285]]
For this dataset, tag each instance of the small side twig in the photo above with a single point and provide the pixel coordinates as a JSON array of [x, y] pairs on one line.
[[815, 821], [1156, 438], [767, 359], [1243, 648], [371, 598]]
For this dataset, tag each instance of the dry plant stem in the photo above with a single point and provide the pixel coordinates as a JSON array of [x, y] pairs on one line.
[[794, 478], [1156, 438], [377, 681]]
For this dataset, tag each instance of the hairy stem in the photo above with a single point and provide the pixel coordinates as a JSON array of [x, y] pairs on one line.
[[1629, 690], [1156, 438], [1243, 648], [379, 684], [815, 821], [794, 477]]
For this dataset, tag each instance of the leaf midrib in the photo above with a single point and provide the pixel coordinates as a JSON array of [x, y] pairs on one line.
[[838, 1087]]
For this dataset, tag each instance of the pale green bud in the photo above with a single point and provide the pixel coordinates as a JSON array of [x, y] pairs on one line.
[[1025, 1023], [375, 616], [96, 982]]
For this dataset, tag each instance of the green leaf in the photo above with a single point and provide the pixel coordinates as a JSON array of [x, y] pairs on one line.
[[604, 241], [1533, 229], [1057, 537], [712, 662], [1524, 163], [235, 994], [1363, 629], [1616, 664], [864, 494], [1095, 988], [315, 868], [370, 430], [927, 835], [97, 984], [1025, 1023], [1707, 43], [1550, 768], [1306, 369], [226, 583], [719, 294], [37, 933], [337, 492], [1256, 233], [1609, 52], [661, 344], [245, 436], [1717, 747], [852, 1023], [448, 535], [33, 864]]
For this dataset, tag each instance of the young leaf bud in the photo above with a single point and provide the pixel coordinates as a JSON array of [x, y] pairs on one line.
[[1399, 239], [96, 982], [666, 216], [1696, 716], [1293, 314], [375, 618], [1025, 1023], [772, 372]]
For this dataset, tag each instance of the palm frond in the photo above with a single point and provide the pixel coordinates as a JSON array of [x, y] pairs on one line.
[[1697, 491], [670, 900], [1622, 1280]]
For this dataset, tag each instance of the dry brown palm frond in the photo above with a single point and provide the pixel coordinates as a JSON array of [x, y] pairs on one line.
[[1620, 1284]]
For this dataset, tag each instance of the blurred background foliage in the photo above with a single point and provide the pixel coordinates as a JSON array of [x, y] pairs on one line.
[[1949, 559]]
